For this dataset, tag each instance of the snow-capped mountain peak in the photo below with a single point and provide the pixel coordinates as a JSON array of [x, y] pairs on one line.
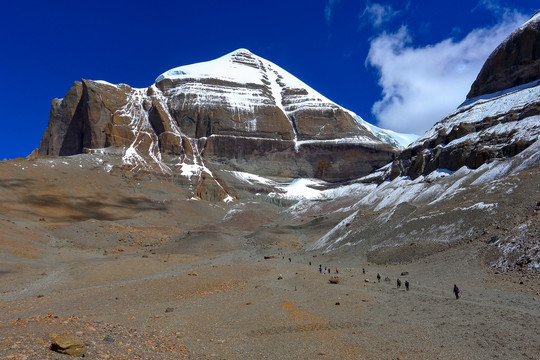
[[239, 110], [243, 81]]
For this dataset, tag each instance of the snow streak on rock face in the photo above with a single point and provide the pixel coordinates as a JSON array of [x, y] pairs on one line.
[[475, 134], [142, 132], [496, 109], [440, 208], [246, 84], [239, 111], [241, 67]]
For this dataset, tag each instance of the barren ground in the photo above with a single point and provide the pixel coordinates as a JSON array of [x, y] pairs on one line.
[[189, 288]]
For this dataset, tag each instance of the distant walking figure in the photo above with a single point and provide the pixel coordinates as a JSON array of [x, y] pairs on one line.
[[337, 271], [407, 285], [456, 291], [378, 277], [310, 263], [289, 259], [320, 269], [398, 283], [329, 270], [363, 270]]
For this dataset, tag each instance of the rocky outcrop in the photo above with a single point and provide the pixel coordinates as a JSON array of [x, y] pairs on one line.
[[239, 112], [475, 135], [516, 61], [60, 118], [331, 161], [488, 127], [68, 344], [83, 119]]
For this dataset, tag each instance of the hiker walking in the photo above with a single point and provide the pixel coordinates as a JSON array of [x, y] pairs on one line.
[[337, 271], [407, 285], [398, 283], [456, 291], [378, 277], [363, 270], [320, 269]]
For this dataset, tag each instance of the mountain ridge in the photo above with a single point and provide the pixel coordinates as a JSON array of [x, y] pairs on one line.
[[194, 115]]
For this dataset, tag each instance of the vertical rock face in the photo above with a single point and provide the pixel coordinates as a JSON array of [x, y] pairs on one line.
[[56, 137], [501, 119], [516, 61], [82, 118], [239, 111]]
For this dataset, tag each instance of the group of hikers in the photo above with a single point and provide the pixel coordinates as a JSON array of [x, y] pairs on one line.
[[325, 269], [398, 281]]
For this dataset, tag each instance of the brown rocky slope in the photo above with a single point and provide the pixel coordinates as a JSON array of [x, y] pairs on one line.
[[271, 123]]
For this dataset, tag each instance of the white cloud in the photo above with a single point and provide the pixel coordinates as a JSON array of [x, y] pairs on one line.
[[329, 8], [421, 85], [492, 5], [379, 14]]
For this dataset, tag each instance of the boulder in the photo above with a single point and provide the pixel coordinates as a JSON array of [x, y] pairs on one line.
[[68, 344], [334, 280]]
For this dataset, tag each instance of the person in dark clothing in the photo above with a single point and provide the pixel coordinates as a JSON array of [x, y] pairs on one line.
[[329, 270], [456, 291], [398, 283], [378, 277], [320, 269], [407, 285]]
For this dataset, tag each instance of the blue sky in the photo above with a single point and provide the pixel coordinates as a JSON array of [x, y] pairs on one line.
[[401, 65]]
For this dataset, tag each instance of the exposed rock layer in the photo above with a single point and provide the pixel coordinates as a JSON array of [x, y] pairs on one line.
[[466, 139], [488, 127], [516, 61], [271, 123]]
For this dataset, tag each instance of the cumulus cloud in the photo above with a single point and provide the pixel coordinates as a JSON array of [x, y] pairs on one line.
[[421, 85], [378, 14]]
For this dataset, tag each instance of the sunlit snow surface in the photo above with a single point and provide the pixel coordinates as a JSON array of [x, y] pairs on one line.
[[232, 68], [228, 68], [387, 196], [240, 82], [488, 108], [393, 138]]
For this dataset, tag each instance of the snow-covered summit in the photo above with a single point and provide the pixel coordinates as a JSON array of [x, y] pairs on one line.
[[225, 68], [243, 67], [239, 110], [243, 81], [240, 66]]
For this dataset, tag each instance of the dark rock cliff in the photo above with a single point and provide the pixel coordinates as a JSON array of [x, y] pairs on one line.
[[516, 61], [488, 127]]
